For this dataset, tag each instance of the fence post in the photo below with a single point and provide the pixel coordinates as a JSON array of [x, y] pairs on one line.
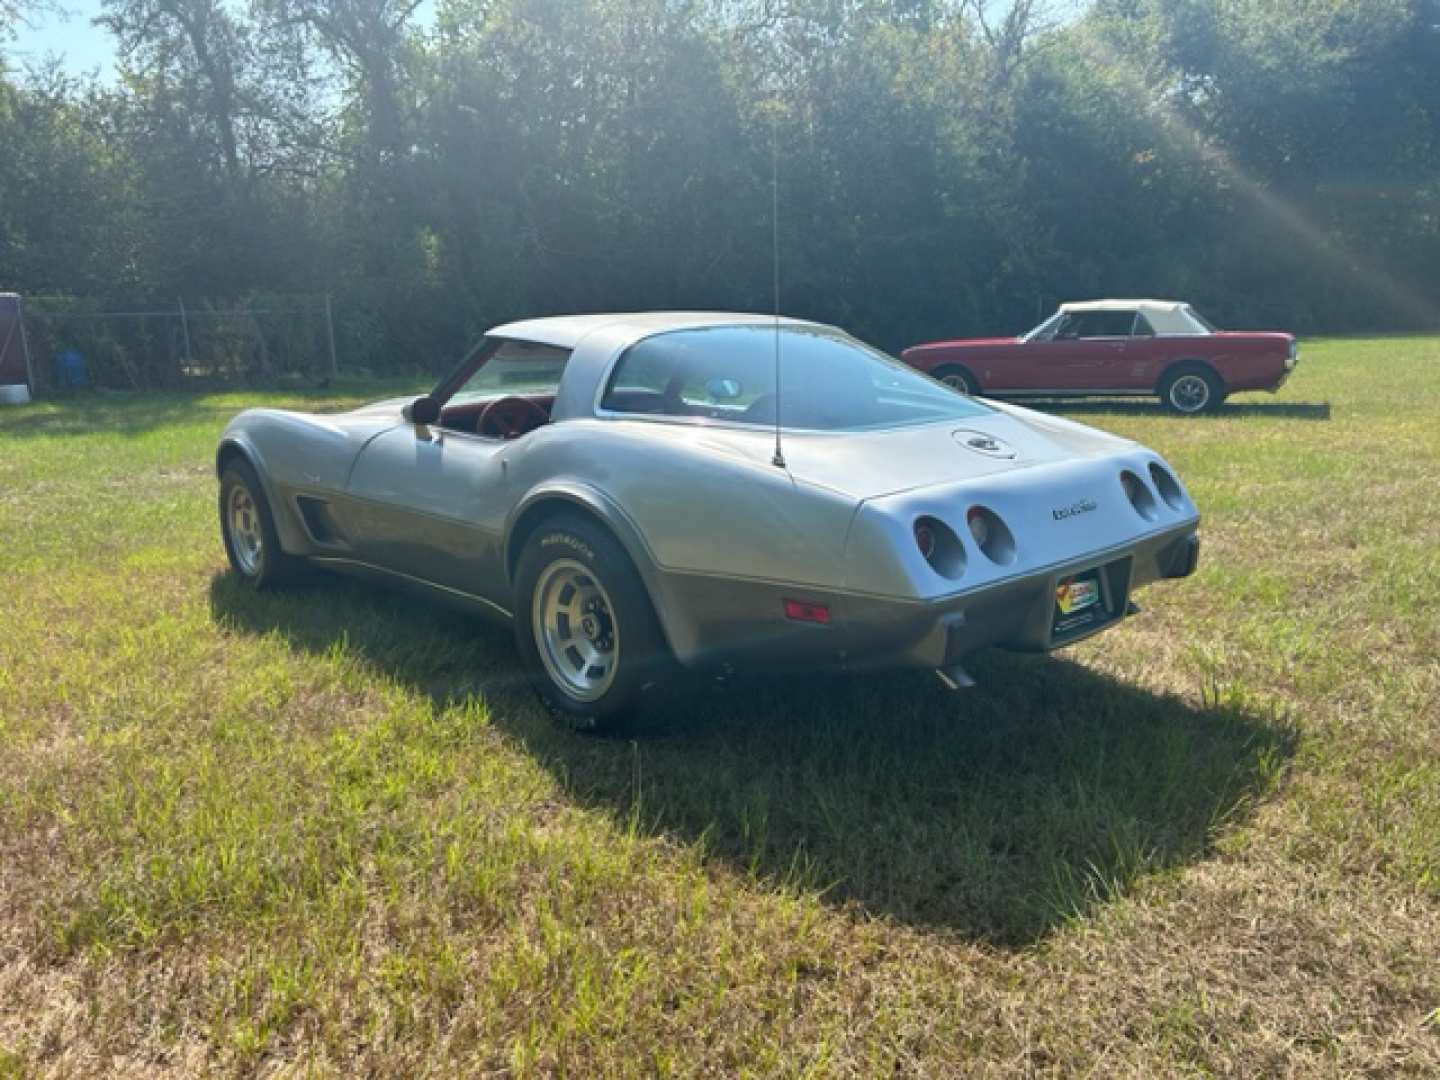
[[259, 340], [25, 343], [185, 328], [330, 331]]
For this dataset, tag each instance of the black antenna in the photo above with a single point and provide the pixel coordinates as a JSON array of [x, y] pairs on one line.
[[779, 459]]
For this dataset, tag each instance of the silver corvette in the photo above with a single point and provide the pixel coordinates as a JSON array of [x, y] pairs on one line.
[[637, 495]]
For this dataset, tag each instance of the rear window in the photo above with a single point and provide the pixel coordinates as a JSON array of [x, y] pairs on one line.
[[828, 381]]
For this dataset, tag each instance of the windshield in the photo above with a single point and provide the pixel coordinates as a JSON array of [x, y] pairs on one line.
[[829, 382], [1153, 320], [1046, 330]]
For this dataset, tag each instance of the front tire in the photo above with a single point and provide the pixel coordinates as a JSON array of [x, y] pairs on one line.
[[1191, 389], [247, 527], [585, 628]]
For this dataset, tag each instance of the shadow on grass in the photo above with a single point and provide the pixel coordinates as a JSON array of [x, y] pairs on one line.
[[1277, 410], [997, 813]]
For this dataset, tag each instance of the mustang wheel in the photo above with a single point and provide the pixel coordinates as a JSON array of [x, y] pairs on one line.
[[958, 378], [1191, 389], [584, 625], [248, 529]]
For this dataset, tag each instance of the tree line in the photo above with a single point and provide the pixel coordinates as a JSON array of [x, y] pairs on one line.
[[943, 167]]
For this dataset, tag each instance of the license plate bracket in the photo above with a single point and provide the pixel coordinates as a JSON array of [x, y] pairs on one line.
[[1087, 600]]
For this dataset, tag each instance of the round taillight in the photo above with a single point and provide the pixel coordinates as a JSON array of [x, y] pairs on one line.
[[1168, 486], [979, 529], [925, 538], [991, 535], [940, 546], [1139, 495]]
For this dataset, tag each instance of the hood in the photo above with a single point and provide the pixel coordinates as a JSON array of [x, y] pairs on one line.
[[388, 407], [962, 343]]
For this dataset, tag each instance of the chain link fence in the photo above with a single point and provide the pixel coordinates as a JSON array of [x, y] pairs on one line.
[[76, 341]]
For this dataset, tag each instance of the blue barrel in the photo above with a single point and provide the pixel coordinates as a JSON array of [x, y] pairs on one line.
[[70, 368]]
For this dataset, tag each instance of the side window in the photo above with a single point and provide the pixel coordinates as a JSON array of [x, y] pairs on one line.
[[1142, 326], [1102, 324], [516, 367]]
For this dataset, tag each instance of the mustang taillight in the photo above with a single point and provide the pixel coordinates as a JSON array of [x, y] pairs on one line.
[[1138, 494], [806, 611]]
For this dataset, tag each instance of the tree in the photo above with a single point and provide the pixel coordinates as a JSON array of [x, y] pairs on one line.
[[943, 166]]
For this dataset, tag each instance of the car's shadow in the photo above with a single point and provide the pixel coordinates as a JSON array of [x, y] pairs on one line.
[[995, 813], [1281, 410]]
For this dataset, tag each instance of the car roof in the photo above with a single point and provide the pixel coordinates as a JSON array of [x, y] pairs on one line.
[[566, 331], [1122, 305]]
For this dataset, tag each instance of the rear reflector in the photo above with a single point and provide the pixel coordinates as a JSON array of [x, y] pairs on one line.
[[803, 611]]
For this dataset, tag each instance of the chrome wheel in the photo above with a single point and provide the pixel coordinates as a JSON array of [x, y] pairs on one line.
[[1190, 393], [242, 521], [575, 630], [956, 381]]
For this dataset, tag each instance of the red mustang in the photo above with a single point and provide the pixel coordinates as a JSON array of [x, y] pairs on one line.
[[1106, 347]]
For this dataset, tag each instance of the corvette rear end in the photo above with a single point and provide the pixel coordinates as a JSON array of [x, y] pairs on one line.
[[1033, 563], [1020, 531]]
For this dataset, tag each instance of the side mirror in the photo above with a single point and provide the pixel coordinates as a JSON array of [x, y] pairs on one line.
[[422, 411]]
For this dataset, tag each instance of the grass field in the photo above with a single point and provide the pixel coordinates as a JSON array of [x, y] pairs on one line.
[[329, 833]]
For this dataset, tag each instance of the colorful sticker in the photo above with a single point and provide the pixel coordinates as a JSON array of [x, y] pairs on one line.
[[1076, 594]]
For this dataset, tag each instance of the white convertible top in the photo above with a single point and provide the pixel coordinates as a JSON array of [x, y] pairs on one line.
[[1122, 305], [1165, 316]]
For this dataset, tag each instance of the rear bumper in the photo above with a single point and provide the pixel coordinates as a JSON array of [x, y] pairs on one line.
[[1271, 380], [715, 623], [1291, 363]]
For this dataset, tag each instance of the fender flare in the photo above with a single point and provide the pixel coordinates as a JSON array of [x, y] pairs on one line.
[[560, 494], [293, 539]]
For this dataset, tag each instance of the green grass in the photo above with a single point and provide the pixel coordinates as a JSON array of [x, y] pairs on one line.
[[329, 832]]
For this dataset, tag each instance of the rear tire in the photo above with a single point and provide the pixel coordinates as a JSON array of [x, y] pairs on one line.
[[957, 378], [586, 631], [247, 526], [1191, 389]]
